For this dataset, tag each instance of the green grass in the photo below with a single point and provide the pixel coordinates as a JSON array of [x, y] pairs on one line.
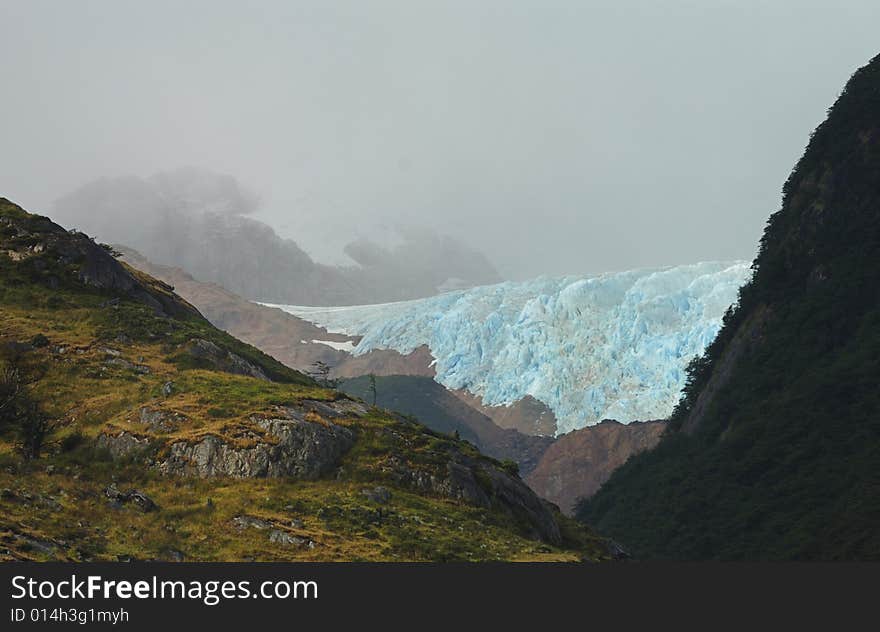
[[102, 362]]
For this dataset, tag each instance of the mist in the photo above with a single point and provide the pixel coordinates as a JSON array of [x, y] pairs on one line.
[[553, 137], [199, 221]]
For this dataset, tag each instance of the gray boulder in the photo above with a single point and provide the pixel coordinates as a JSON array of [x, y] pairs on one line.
[[303, 449], [123, 444], [136, 497], [278, 536], [158, 420]]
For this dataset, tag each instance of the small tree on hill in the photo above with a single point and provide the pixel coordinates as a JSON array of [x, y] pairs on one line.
[[373, 388], [320, 372], [21, 416]]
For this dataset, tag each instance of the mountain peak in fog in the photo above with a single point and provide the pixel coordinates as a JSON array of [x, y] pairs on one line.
[[199, 221]]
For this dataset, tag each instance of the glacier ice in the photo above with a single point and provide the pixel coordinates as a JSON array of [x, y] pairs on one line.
[[611, 346]]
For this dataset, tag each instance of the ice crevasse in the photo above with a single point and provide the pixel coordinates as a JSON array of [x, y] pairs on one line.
[[612, 346]]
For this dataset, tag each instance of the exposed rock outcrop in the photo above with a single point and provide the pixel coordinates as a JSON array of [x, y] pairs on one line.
[[293, 447], [477, 483], [208, 354], [53, 255], [159, 420], [122, 444], [379, 494]]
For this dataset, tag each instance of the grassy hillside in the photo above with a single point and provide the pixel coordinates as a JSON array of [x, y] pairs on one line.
[[117, 359], [283, 336], [774, 450], [439, 409]]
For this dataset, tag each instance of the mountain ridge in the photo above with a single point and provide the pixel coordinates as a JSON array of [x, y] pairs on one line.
[[774, 449]]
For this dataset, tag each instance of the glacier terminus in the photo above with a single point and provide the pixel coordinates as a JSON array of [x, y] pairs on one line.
[[612, 346]]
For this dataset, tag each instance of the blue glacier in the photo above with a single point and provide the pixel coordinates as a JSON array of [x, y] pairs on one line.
[[611, 346]]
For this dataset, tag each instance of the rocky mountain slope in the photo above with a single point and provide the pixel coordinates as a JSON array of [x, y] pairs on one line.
[[441, 410], [166, 438], [282, 336], [774, 450], [521, 432], [562, 470], [578, 463], [527, 415], [299, 343]]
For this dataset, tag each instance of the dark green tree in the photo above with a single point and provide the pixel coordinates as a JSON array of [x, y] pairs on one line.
[[373, 387], [21, 415]]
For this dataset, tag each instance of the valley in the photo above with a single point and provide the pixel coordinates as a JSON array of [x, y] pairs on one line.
[[522, 432], [316, 287]]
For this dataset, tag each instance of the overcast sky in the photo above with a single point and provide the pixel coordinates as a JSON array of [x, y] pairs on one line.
[[556, 137]]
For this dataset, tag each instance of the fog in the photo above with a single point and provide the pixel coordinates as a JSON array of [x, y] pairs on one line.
[[201, 222], [553, 137]]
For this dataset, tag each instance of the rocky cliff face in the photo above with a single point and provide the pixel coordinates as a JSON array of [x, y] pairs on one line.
[[578, 463], [290, 445], [49, 254], [484, 486]]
